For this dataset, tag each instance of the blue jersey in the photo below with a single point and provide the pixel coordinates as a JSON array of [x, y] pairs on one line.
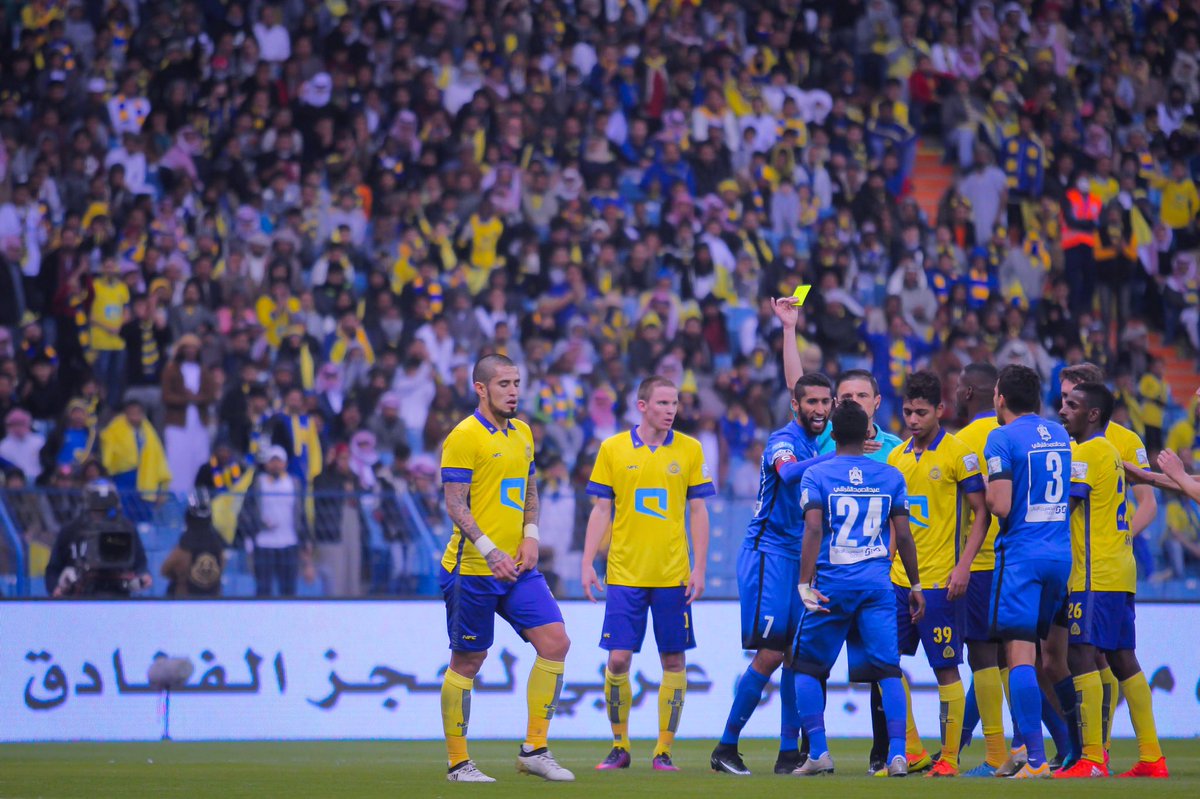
[[857, 498], [1035, 454], [778, 523], [887, 441]]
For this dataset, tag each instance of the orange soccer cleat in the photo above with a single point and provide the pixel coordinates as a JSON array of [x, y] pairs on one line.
[[1082, 770], [942, 769], [1155, 771]]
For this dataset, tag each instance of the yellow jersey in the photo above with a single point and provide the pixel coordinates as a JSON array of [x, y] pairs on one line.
[[485, 238], [1101, 547], [974, 435], [108, 314], [498, 465], [650, 488], [1132, 449], [938, 480]]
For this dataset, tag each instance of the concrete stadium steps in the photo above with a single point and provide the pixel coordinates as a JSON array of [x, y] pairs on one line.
[[931, 178], [1181, 372]]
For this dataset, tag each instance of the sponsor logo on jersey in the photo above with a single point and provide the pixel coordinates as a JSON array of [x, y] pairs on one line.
[[856, 476], [1044, 432]]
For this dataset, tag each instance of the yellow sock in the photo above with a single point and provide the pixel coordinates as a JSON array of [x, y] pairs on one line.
[[456, 714], [619, 697], [953, 701], [912, 738], [670, 708], [1007, 697], [1141, 713], [1091, 723], [989, 695], [541, 696], [1112, 691]]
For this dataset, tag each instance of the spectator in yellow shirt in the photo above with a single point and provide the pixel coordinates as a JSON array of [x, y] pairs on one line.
[[1154, 395], [109, 311], [1180, 201]]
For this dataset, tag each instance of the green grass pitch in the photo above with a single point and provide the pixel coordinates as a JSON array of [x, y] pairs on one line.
[[398, 770]]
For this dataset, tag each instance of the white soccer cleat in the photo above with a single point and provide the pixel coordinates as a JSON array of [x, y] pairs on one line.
[[1016, 760], [898, 767], [541, 763], [467, 771], [815, 766]]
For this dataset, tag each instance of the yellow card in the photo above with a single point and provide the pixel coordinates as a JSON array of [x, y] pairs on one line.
[[801, 294]]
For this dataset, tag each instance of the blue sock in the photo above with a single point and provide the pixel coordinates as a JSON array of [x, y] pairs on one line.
[[808, 696], [789, 716], [745, 698], [895, 710], [1027, 711], [970, 718], [1064, 729]]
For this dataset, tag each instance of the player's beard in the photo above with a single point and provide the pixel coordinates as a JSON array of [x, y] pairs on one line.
[[501, 412], [806, 422]]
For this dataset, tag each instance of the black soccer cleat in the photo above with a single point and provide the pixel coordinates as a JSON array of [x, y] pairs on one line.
[[789, 761], [727, 760]]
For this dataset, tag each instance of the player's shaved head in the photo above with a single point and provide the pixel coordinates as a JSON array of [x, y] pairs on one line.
[[981, 376], [487, 366], [647, 386]]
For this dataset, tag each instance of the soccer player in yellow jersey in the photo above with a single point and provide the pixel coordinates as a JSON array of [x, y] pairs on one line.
[[644, 481], [1100, 611], [974, 397], [942, 477], [490, 568], [1145, 508]]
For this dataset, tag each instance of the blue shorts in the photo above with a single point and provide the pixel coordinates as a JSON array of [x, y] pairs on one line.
[[940, 631], [868, 615], [1027, 595], [977, 600], [625, 618], [771, 606], [1104, 619], [472, 602]]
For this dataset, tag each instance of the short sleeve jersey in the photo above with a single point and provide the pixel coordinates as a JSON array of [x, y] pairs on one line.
[[1035, 454], [975, 435], [1131, 448], [650, 488], [1101, 547], [857, 497], [778, 523], [937, 481], [497, 464]]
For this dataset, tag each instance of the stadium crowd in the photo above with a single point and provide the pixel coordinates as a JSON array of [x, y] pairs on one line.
[[228, 227]]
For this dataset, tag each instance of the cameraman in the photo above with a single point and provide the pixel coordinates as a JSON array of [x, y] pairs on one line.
[[194, 567], [99, 553]]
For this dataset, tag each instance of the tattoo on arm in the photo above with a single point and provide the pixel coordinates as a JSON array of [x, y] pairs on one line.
[[459, 510], [532, 503]]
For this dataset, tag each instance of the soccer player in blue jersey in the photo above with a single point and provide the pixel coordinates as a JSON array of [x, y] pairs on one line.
[[854, 508], [1029, 472], [768, 570], [769, 563]]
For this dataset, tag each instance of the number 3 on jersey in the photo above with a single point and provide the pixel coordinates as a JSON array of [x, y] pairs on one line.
[[1047, 487], [859, 524]]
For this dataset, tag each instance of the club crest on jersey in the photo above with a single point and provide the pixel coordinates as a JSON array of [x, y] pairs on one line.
[[673, 468], [1044, 432], [935, 473], [856, 476]]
